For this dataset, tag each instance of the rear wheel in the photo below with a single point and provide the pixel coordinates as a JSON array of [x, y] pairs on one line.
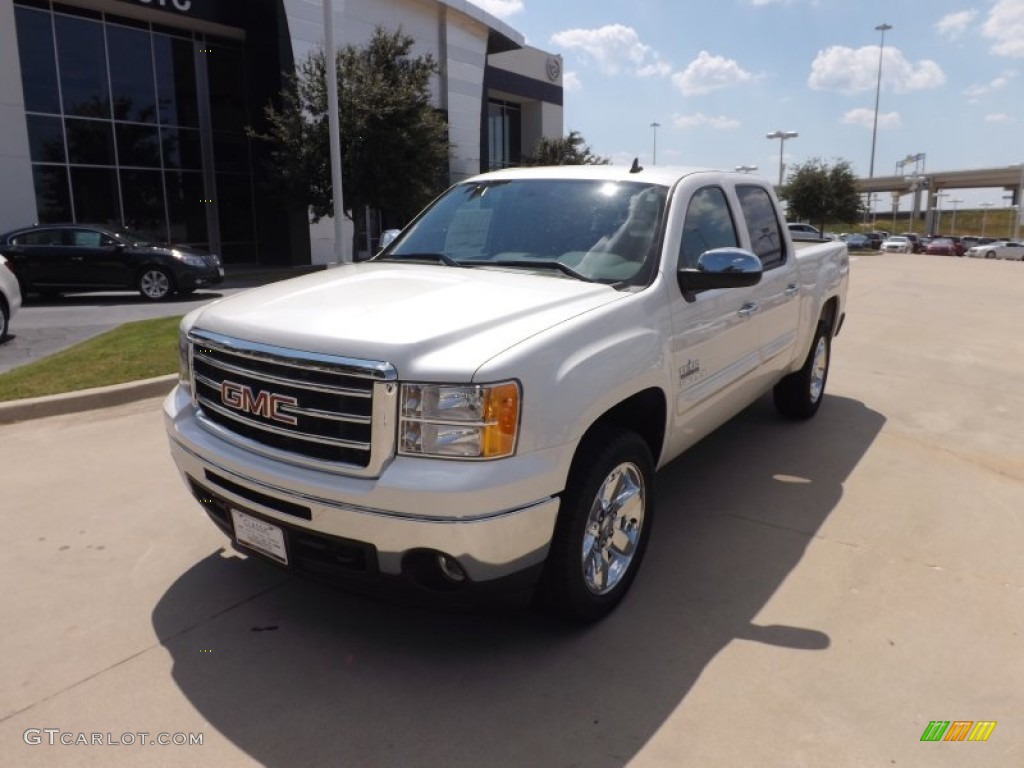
[[155, 283], [799, 395], [603, 526]]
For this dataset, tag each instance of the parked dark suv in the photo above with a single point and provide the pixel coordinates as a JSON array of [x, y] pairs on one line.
[[53, 258]]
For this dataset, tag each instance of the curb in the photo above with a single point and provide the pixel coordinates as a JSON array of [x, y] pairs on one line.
[[86, 399]]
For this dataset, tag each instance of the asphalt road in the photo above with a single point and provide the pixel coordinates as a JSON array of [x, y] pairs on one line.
[[45, 326], [814, 594]]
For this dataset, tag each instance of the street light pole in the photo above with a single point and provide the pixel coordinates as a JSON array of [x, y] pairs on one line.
[[952, 226], [883, 28], [781, 136], [937, 224], [334, 140], [1020, 205], [984, 214], [654, 149]]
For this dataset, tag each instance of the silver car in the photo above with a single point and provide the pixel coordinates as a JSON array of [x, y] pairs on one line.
[[10, 296], [898, 244]]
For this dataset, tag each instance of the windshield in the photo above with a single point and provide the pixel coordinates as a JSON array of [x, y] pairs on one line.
[[135, 238], [590, 229]]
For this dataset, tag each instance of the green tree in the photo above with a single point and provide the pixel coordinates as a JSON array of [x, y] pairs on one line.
[[568, 150], [820, 193], [394, 144]]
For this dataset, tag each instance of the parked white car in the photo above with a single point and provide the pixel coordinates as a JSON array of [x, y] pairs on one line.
[[10, 296], [898, 244], [1002, 249]]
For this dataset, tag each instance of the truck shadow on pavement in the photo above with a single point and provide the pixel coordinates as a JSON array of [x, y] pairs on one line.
[[294, 673]]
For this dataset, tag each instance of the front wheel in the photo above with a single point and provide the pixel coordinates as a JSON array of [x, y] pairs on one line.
[[156, 283], [603, 526], [799, 395]]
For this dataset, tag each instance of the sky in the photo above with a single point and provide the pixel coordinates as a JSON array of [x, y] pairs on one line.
[[718, 75]]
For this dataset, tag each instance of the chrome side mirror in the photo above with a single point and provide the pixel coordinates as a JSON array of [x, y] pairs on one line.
[[721, 268]]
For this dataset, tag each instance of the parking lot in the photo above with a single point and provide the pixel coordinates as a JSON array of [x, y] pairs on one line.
[[814, 595]]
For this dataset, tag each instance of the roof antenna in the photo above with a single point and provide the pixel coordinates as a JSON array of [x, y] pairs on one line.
[[636, 168]]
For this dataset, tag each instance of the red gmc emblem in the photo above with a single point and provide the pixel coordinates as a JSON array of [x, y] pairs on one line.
[[265, 404]]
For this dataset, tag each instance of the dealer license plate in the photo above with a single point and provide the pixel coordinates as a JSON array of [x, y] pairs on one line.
[[263, 537]]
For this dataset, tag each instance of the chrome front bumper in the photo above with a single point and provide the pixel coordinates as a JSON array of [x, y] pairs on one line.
[[489, 516]]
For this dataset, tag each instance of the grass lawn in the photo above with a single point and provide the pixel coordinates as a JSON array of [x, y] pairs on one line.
[[132, 351]]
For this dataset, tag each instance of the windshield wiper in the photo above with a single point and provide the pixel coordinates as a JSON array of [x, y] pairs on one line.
[[441, 258], [541, 264]]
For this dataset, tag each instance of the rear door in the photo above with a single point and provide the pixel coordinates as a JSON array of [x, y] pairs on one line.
[[39, 257]]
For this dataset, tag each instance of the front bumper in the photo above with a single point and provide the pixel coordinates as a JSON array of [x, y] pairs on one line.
[[199, 278], [489, 517]]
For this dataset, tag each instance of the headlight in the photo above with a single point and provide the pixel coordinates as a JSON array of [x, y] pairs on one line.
[[459, 421], [189, 258], [184, 361]]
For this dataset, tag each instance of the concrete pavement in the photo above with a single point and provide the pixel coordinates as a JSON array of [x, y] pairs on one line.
[[814, 594]]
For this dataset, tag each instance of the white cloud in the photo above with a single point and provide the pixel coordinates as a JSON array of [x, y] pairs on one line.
[[1005, 25], [613, 48], [500, 8], [974, 91], [851, 70], [700, 119], [709, 73], [866, 117], [657, 68], [999, 117], [954, 25], [571, 82]]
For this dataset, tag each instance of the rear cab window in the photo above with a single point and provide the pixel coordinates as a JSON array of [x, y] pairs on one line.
[[763, 226]]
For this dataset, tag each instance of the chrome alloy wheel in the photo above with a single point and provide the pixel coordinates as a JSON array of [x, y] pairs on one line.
[[613, 528], [155, 284], [818, 369]]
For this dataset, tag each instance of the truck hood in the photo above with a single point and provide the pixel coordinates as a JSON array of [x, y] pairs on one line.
[[431, 322]]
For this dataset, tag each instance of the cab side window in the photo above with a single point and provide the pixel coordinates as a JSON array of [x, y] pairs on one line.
[[86, 238], [766, 238], [708, 224]]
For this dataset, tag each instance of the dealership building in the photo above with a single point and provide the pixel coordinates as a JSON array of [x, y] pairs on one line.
[[134, 112]]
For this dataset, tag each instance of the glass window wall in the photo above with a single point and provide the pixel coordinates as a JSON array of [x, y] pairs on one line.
[[115, 124]]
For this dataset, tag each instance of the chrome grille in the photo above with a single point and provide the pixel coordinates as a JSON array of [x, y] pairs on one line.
[[301, 407]]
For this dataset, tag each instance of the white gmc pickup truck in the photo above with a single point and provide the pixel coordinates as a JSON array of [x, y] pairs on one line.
[[483, 405]]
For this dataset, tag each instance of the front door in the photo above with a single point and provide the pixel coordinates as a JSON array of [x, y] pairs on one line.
[[715, 342], [97, 260]]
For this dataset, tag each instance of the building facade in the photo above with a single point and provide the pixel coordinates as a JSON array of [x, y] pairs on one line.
[[134, 112]]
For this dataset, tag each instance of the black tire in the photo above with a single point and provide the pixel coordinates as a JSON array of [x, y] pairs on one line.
[[616, 464], [990, 255], [799, 395], [155, 283]]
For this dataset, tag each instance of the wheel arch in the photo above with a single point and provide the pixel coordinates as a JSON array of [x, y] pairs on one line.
[[644, 412], [830, 314]]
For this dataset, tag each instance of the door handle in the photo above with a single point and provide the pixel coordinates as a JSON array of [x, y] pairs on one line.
[[791, 289], [748, 309]]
